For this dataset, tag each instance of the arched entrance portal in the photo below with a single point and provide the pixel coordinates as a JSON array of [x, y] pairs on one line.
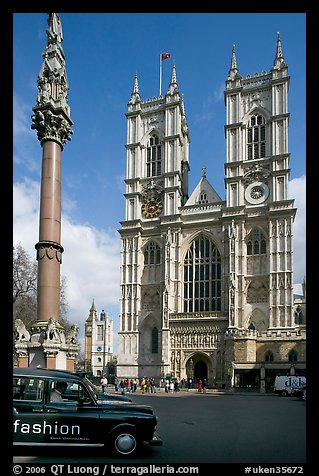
[[200, 370], [198, 366]]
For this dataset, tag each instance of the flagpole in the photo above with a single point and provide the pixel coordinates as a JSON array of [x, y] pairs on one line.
[[160, 81]]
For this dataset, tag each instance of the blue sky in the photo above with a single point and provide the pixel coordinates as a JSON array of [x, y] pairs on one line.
[[103, 51]]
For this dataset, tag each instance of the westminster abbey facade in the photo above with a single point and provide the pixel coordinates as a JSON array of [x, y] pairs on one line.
[[207, 282]]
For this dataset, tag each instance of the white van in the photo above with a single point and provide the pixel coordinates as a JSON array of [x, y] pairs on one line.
[[285, 383]]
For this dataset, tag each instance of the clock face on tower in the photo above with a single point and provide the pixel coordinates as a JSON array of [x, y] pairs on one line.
[[152, 208], [256, 193]]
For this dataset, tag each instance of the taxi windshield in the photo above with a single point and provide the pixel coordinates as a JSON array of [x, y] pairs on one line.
[[93, 388]]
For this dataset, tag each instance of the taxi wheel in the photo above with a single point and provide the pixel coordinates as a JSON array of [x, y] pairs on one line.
[[125, 442]]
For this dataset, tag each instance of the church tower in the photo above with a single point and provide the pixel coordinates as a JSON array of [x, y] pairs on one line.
[[98, 342], [92, 317], [156, 186], [260, 215]]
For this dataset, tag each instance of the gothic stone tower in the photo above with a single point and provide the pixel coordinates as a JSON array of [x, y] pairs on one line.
[[49, 347], [207, 284], [258, 216], [156, 187], [98, 342]]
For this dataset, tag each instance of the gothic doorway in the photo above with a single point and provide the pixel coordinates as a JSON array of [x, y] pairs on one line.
[[200, 370], [199, 366]]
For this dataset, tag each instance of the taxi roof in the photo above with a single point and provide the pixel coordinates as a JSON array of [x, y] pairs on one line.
[[44, 372]]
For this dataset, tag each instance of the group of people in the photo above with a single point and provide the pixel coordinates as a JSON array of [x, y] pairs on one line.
[[146, 384], [172, 385], [131, 385]]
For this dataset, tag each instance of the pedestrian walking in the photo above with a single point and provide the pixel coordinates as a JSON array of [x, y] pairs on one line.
[[123, 386], [152, 385], [104, 383]]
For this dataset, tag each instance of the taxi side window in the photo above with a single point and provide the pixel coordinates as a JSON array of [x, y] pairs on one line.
[[28, 389], [67, 391]]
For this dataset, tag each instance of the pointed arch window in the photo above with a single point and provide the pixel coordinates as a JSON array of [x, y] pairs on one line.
[[298, 315], [256, 137], [292, 356], [256, 243], [152, 254], [154, 157], [202, 277], [202, 197], [269, 356], [154, 340]]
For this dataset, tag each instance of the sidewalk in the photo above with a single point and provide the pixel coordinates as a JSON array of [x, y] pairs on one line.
[[192, 391]]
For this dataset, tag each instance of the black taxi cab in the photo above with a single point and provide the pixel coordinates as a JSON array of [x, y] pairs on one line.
[[61, 408]]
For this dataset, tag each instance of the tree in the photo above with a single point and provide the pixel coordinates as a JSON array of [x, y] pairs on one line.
[[64, 307], [24, 285], [25, 274]]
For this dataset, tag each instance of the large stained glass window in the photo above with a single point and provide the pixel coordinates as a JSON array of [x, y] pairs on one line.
[[202, 277]]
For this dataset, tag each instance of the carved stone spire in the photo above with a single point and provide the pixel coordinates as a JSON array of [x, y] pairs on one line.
[[135, 96], [173, 86], [92, 312], [184, 120], [54, 32], [279, 60], [233, 59], [52, 112], [233, 71]]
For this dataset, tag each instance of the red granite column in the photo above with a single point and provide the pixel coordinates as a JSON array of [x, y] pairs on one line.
[[50, 345], [49, 250]]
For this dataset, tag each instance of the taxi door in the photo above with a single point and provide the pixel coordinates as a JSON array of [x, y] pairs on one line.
[[72, 420], [28, 399]]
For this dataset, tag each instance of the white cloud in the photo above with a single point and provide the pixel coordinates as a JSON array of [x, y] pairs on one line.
[[90, 262], [21, 117], [219, 92], [26, 196], [297, 191], [25, 139]]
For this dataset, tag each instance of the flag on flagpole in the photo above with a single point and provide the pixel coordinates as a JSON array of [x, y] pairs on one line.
[[165, 56]]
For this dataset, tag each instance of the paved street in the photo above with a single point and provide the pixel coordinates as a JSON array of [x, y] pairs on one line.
[[210, 428]]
